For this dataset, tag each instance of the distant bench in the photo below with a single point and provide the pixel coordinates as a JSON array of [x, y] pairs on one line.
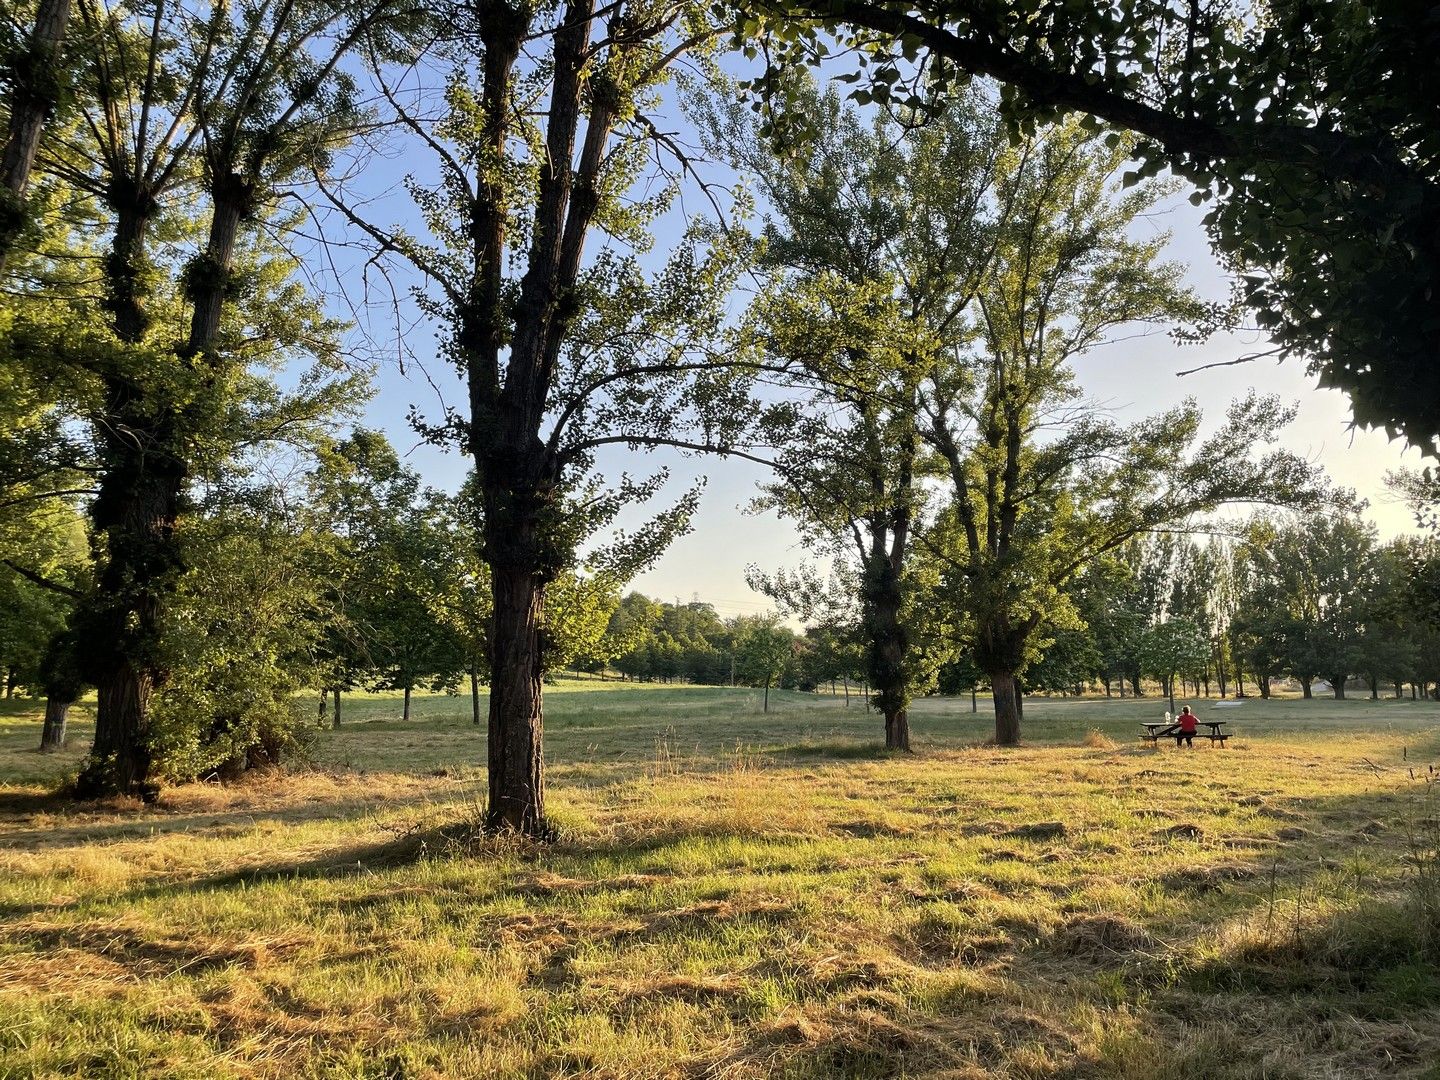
[[1159, 729]]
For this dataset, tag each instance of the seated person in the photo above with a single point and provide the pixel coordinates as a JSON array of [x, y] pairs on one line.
[[1185, 727]]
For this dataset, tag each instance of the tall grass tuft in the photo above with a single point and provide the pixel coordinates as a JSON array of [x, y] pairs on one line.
[[1422, 841]]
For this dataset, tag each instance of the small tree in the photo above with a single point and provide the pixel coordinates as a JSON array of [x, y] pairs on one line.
[[1177, 648], [763, 652]]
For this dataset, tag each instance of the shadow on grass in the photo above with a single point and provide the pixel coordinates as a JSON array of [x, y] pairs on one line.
[[836, 750], [1356, 962]]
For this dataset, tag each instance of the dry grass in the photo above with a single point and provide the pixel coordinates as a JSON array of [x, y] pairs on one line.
[[738, 896]]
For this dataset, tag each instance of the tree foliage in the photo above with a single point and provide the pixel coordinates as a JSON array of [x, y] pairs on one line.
[[1310, 127]]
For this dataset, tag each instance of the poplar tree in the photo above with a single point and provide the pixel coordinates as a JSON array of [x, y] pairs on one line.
[[1040, 483], [184, 111], [541, 138]]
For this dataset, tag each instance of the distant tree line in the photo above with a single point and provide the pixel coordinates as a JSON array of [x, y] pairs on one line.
[[1305, 597]]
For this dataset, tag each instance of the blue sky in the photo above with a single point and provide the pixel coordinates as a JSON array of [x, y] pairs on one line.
[[1134, 377]]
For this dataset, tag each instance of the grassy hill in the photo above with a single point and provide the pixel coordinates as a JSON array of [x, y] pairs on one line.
[[745, 895]]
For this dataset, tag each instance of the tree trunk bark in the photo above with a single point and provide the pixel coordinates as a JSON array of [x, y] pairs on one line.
[[1264, 681], [765, 708], [324, 699], [32, 100], [336, 723], [52, 735], [847, 688], [897, 730], [1170, 692], [135, 513], [517, 785], [474, 695], [1339, 686], [405, 711], [120, 760], [974, 699], [887, 638], [1007, 708], [1220, 676], [1305, 691]]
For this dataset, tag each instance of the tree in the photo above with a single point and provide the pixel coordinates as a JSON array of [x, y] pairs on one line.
[[231, 102], [1389, 639], [236, 669], [1312, 577], [1309, 125], [764, 651], [568, 355], [1025, 515], [390, 569], [1109, 600], [875, 241], [1176, 647]]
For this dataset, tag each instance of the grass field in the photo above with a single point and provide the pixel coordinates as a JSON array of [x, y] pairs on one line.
[[744, 895]]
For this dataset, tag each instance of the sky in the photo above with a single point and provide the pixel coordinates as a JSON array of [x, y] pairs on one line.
[[1135, 377]]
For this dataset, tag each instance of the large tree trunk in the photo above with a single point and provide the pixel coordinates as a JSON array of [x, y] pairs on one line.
[[336, 723], [475, 695], [135, 514], [120, 760], [1007, 708], [52, 735], [1305, 691], [1339, 687], [1264, 681], [517, 782], [33, 96]]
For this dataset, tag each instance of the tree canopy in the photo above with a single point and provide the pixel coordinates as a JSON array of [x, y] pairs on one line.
[[1309, 127]]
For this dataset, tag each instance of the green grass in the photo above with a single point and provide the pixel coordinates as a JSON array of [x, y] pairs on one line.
[[742, 895]]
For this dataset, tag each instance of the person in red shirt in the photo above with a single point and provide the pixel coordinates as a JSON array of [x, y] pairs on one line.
[[1187, 724]]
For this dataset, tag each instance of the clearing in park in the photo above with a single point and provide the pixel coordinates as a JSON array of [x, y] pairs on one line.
[[738, 895]]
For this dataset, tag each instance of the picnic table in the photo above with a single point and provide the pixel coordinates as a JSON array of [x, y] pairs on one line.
[[1158, 729]]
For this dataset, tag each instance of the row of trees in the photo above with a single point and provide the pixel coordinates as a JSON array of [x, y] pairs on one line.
[[927, 288], [1304, 597]]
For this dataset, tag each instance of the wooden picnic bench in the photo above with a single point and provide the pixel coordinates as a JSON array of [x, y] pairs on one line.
[[1159, 729]]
